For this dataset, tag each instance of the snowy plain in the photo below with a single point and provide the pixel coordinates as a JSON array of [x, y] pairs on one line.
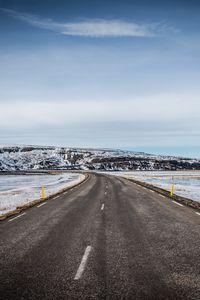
[[17, 190], [187, 183]]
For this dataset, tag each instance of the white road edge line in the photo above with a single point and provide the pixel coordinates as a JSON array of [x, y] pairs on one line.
[[65, 193], [102, 207], [197, 213], [177, 203], [16, 217], [162, 196], [83, 263], [41, 204], [56, 197]]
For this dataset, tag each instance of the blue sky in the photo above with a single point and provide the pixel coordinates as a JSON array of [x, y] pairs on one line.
[[117, 74]]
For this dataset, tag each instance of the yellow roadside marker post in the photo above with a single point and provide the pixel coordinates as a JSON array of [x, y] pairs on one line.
[[172, 187], [43, 193], [172, 190]]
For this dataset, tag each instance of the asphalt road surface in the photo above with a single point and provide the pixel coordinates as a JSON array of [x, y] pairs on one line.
[[107, 239]]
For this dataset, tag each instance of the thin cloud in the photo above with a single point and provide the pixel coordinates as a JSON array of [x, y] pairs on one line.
[[141, 110], [93, 27]]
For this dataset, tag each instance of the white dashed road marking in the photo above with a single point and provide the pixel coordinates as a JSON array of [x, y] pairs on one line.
[[83, 263], [177, 203], [102, 207], [41, 204], [197, 213], [56, 197], [16, 217]]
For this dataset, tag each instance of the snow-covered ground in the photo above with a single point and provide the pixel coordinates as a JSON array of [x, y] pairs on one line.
[[187, 183], [17, 190]]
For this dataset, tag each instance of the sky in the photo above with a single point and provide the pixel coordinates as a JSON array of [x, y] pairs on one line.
[[109, 74]]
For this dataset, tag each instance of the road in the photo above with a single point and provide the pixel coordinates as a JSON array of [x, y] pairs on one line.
[[107, 239]]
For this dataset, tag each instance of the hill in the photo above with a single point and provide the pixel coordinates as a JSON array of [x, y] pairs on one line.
[[15, 158]]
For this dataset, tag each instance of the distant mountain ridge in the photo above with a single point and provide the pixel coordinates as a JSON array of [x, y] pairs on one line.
[[16, 158]]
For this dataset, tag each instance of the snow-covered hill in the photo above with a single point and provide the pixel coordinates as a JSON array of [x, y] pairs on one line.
[[13, 158]]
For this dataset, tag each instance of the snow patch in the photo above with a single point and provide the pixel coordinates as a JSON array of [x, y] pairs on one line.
[[18, 190]]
